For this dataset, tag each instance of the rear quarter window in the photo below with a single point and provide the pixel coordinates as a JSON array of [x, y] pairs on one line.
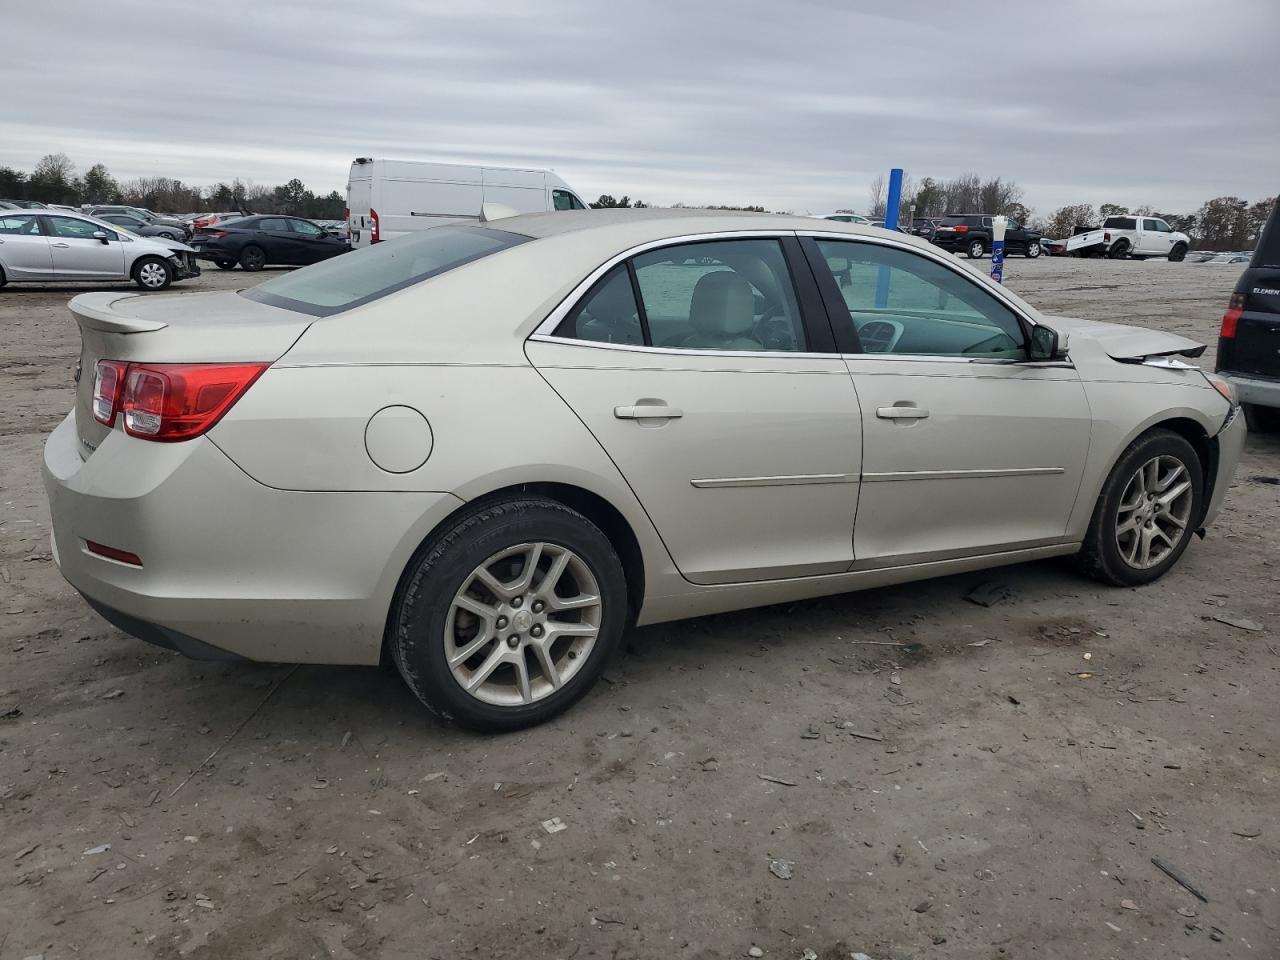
[[362, 276]]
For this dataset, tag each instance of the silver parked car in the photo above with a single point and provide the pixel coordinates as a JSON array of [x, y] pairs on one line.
[[483, 450], [39, 246]]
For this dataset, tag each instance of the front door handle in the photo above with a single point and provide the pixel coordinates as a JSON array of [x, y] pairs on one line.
[[646, 411], [62, 245], [902, 413]]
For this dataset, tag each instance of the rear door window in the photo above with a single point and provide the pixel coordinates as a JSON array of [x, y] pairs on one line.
[[24, 225], [272, 225], [730, 295], [348, 281]]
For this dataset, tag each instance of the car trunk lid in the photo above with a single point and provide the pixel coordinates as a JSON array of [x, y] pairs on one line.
[[221, 327]]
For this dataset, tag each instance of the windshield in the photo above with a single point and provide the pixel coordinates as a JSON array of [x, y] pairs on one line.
[[356, 278]]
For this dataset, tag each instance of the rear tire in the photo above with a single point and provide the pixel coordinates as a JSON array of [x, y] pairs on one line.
[[152, 273], [1131, 498], [975, 250], [1178, 253], [1119, 250], [226, 264], [253, 258], [462, 591], [1262, 419]]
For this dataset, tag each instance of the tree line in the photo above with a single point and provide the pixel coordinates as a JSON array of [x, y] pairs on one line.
[[1223, 223], [56, 180]]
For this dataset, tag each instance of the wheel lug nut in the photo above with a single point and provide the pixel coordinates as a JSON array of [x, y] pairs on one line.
[[517, 601], [502, 622], [538, 606], [537, 630], [513, 641]]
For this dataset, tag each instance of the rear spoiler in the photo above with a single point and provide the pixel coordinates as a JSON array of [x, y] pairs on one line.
[[95, 311]]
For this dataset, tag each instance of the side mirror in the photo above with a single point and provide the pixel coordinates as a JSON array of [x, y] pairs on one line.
[[1044, 344], [100, 235]]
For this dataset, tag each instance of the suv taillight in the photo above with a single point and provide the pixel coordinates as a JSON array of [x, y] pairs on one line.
[[961, 228], [375, 232], [108, 379], [1235, 307], [1106, 238], [169, 401]]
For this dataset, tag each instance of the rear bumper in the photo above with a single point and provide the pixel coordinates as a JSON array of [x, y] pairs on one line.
[[1230, 443], [1264, 393], [231, 568]]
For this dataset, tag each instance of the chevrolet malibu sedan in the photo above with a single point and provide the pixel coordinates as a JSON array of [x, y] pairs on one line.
[[483, 451]]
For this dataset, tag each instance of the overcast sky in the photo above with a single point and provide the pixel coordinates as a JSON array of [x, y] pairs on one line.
[[794, 105]]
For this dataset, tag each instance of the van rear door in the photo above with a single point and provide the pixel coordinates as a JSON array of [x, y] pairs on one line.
[[360, 204]]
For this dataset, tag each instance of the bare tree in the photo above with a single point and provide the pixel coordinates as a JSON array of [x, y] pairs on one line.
[[1065, 219], [876, 195]]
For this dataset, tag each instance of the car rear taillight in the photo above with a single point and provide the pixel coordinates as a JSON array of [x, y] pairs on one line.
[[170, 401], [375, 232], [1235, 307], [1106, 238], [108, 379], [215, 234], [961, 229]]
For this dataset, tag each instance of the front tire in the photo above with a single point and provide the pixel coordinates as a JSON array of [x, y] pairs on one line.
[[1146, 512], [1178, 253], [253, 258], [1033, 250], [509, 617], [975, 250], [152, 273]]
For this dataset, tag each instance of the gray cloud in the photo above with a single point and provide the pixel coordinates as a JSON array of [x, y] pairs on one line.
[[796, 105]]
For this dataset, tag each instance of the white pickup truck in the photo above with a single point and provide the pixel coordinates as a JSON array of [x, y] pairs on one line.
[[1130, 237]]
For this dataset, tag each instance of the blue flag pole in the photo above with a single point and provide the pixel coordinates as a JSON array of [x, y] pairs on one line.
[[891, 204]]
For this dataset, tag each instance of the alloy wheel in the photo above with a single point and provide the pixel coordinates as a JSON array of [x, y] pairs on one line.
[[523, 624], [1154, 512]]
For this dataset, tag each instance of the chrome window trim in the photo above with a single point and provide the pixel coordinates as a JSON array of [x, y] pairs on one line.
[[682, 351]]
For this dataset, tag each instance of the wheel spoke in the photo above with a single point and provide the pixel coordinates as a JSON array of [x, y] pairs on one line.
[[557, 629], [1151, 476], [1177, 471], [1144, 546], [1131, 524], [472, 605], [468, 651], [494, 585], [491, 663], [525, 580], [547, 588], [522, 677], [1176, 521], [1172, 494], [581, 602], [542, 651]]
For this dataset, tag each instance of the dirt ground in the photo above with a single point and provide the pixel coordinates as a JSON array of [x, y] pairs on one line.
[[778, 778]]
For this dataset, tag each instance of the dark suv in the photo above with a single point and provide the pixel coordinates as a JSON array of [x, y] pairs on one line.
[[970, 234], [1249, 342]]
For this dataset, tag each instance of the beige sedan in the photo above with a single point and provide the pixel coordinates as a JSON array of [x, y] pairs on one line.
[[482, 451]]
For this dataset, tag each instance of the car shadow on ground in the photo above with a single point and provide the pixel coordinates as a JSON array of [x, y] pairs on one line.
[[320, 703]]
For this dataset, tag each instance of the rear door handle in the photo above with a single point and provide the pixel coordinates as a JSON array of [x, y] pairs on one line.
[[902, 413], [62, 245], [646, 411]]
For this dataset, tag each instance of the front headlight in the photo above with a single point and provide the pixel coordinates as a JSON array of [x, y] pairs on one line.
[[1223, 386]]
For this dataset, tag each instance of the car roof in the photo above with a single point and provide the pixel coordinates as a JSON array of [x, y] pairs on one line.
[[651, 224]]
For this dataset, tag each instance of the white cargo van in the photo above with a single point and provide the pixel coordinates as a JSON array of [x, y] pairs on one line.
[[389, 198]]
